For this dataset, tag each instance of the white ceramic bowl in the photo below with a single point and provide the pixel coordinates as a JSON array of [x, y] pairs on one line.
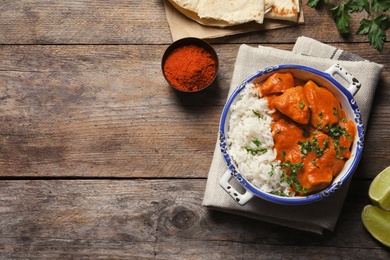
[[322, 78]]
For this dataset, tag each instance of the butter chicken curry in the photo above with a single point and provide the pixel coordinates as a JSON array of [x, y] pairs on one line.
[[312, 135]]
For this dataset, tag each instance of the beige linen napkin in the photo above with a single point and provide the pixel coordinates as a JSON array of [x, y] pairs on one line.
[[317, 216]]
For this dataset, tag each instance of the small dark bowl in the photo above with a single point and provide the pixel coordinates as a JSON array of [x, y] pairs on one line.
[[187, 42]]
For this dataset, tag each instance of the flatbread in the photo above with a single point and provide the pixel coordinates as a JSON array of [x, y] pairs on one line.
[[194, 16], [190, 5], [223, 13], [284, 10], [233, 12]]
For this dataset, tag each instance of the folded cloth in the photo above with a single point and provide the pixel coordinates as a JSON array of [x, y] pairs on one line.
[[317, 216]]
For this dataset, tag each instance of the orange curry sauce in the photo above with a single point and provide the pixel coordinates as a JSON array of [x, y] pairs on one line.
[[312, 134]]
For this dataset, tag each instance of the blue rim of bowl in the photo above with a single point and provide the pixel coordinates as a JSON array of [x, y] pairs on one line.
[[298, 199]]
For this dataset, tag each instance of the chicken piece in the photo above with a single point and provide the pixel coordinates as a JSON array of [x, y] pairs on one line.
[[276, 115], [321, 164], [287, 135], [325, 107], [294, 104], [314, 178], [277, 83]]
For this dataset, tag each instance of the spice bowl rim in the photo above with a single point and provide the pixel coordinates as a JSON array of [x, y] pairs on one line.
[[186, 42], [344, 94]]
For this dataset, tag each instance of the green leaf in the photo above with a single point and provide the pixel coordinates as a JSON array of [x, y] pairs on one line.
[[383, 21], [380, 5], [367, 7], [376, 24], [314, 3], [365, 26], [356, 5], [341, 17], [377, 37], [376, 30]]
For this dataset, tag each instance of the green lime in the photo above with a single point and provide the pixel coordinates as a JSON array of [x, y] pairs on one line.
[[379, 191], [377, 222]]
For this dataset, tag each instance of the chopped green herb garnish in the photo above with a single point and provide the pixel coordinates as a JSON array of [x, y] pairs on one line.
[[319, 126], [308, 146], [256, 150], [335, 112], [272, 171], [336, 131], [336, 148], [326, 144], [302, 105], [257, 114], [292, 179], [256, 142], [294, 167], [299, 188], [305, 147], [281, 193], [317, 148]]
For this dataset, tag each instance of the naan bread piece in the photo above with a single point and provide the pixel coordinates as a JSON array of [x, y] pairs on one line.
[[231, 11], [190, 8], [190, 5], [284, 10], [194, 16]]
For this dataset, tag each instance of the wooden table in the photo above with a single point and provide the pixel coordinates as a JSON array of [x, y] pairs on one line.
[[99, 158]]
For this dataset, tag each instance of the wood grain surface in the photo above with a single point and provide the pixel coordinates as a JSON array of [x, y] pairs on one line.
[[106, 111], [101, 159], [77, 219]]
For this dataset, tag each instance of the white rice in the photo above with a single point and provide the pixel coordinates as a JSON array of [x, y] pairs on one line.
[[250, 120]]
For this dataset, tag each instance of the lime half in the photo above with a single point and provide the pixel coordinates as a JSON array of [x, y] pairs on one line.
[[379, 191], [377, 222]]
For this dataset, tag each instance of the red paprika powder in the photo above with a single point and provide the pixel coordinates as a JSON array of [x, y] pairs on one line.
[[190, 68]]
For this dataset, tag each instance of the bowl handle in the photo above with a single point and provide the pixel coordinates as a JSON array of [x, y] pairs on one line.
[[241, 199], [353, 82]]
